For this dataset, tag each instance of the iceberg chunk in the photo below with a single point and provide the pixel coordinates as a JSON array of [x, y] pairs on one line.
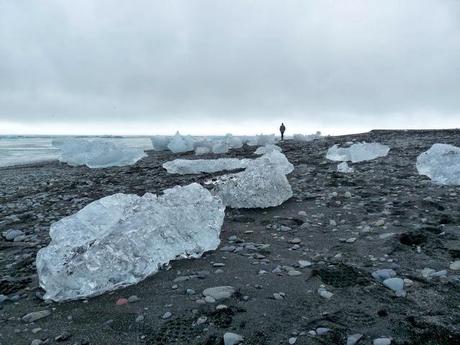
[[441, 163], [121, 239], [262, 139], [267, 149], [220, 148], [263, 183], [307, 137], [160, 142], [197, 166], [181, 143], [344, 168], [233, 142], [357, 152], [98, 153]]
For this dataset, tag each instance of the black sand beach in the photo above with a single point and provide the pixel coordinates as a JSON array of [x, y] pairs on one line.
[[384, 215]]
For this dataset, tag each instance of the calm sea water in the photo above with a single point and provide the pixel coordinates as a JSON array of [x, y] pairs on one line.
[[21, 150]]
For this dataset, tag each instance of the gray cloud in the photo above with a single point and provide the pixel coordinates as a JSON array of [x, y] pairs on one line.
[[329, 64]]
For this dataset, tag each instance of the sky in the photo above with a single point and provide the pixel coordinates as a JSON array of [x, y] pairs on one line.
[[219, 66]]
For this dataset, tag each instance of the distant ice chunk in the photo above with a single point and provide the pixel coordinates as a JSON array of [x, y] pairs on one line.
[[307, 137], [262, 139], [160, 142], [197, 166], [180, 143], [357, 152], [98, 153], [345, 168], [263, 183], [220, 148], [267, 149], [202, 150], [121, 239], [441, 163], [233, 142]]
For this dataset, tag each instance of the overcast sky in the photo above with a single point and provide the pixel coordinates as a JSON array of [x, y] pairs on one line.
[[241, 66]]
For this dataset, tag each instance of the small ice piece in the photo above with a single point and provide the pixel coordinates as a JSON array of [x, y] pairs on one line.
[[98, 153], [121, 239], [220, 148], [267, 149], [202, 150], [357, 152], [232, 338], [383, 274], [395, 284], [262, 140], [382, 341], [197, 166], [181, 143], [263, 183], [324, 293], [233, 142], [307, 137], [353, 339], [160, 142], [441, 163], [344, 168]]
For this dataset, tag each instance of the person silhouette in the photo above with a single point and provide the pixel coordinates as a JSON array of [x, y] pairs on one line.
[[282, 130]]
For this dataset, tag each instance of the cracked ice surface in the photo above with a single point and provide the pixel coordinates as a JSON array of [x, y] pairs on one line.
[[357, 152], [197, 166], [441, 163], [97, 153], [121, 239], [263, 183]]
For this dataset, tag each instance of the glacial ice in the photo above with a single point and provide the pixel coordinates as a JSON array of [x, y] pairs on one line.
[[98, 153], [160, 142], [262, 140], [180, 143], [197, 166], [441, 163], [220, 147], [345, 168], [357, 152], [307, 137], [202, 150], [233, 142], [263, 183], [121, 239], [267, 149]]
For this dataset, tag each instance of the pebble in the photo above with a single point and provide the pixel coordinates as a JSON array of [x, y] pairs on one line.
[[295, 241], [322, 330], [278, 296], [351, 240], [382, 341], [302, 213], [232, 338], [294, 273], [190, 292], [219, 292], [133, 299], [455, 266], [324, 293], [166, 315], [209, 299], [3, 298], [36, 342], [140, 318], [12, 234], [304, 263], [347, 194], [36, 315], [353, 339]]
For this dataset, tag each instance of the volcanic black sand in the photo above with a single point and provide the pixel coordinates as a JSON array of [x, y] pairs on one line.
[[382, 216]]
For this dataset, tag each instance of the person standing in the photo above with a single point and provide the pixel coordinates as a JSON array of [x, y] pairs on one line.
[[282, 130]]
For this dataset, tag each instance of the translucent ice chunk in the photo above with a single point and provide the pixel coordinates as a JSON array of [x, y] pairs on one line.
[[357, 152], [441, 163], [121, 239]]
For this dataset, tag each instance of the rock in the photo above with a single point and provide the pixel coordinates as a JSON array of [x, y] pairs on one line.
[[382, 341], [63, 337], [294, 273], [121, 301], [133, 299], [219, 292], [232, 338], [455, 266], [353, 339], [395, 284], [121, 239], [12, 234], [166, 315], [36, 342], [324, 293], [36, 315], [295, 241], [322, 330]]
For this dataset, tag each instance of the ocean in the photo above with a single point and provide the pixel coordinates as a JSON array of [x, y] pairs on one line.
[[16, 150]]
